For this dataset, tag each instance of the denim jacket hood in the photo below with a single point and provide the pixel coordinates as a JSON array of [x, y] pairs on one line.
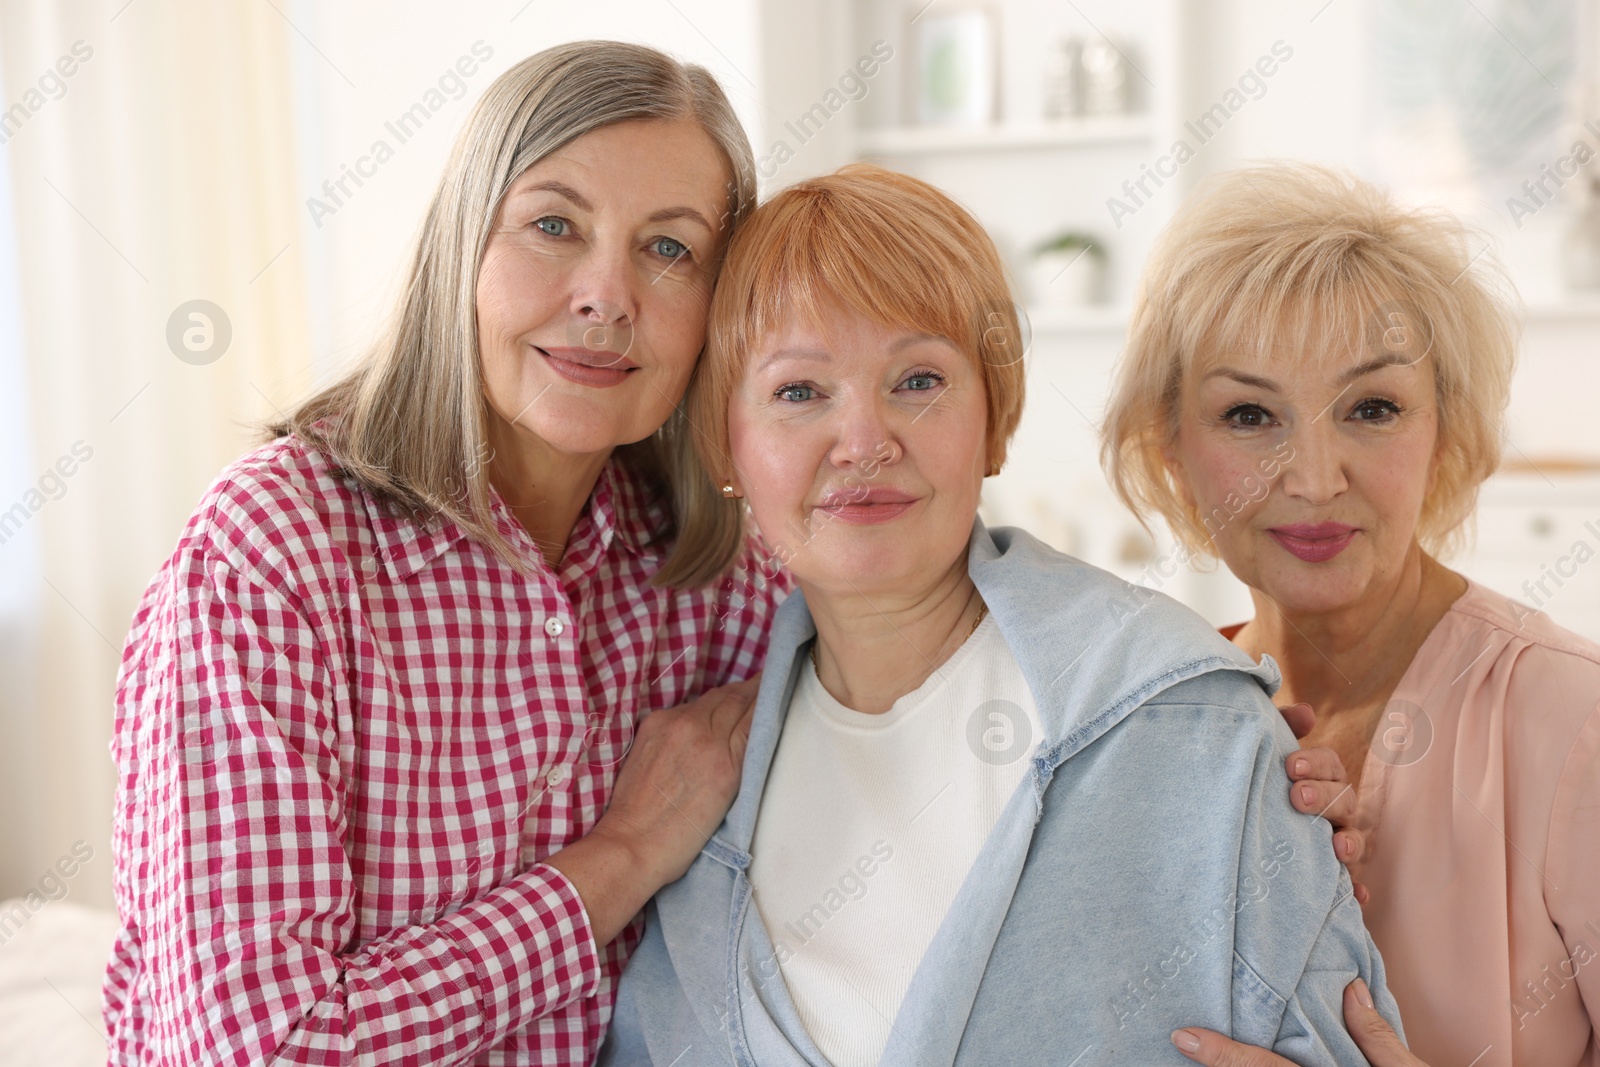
[[1148, 873]]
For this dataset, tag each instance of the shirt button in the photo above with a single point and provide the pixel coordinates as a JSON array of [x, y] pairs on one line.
[[557, 775], [554, 626]]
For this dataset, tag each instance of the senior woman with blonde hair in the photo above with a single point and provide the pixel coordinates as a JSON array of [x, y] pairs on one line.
[[1313, 391], [997, 805], [371, 712]]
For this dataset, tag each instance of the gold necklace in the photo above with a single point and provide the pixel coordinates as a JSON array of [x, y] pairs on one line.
[[983, 609]]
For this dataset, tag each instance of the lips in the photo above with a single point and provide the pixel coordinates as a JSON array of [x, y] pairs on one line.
[[866, 508], [1314, 542], [587, 366]]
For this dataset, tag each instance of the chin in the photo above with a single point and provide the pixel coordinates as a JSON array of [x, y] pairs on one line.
[[868, 560], [579, 428], [1304, 589]]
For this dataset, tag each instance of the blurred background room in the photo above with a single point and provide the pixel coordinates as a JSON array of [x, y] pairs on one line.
[[205, 209]]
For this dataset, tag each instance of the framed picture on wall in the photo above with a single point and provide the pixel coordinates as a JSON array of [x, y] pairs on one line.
[[957, 65]]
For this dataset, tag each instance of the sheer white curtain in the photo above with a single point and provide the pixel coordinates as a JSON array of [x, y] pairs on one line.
[[151, 162]]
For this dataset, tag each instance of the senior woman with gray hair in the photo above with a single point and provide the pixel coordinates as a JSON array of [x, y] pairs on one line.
[[371, 712], [997, 805], [1313, 391]]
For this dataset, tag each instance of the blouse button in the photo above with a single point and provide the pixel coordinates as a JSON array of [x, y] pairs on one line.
[[554, 626], [557, 775]]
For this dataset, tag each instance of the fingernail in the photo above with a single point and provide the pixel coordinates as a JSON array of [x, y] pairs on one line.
[[1343, 845], [1187, 1040], [1308, 795], [1363, 994], [1301, 766]]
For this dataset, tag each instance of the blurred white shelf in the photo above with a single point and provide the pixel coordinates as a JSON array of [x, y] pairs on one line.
[[1092, 318], [1573, 308], [1068, 133]]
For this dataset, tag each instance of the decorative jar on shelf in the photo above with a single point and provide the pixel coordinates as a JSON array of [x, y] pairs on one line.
[[1106, 87], [1067, 271], [1063, 80]]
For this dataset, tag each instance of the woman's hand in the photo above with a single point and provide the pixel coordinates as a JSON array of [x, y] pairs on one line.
[[1319, 785], [674, 788], [680, 777], [1372, 1035]]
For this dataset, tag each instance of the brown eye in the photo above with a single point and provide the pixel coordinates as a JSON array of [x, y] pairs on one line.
[[1375, 409], [1250, 416]]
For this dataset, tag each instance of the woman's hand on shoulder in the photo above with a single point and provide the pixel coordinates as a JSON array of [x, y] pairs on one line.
[[1372, 1035], [680, 777], [1319, 785], [675, 785]]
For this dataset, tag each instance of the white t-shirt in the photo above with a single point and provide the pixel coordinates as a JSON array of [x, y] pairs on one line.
[[869, 825]]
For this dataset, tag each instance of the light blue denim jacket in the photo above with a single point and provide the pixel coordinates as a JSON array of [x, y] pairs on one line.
[[1149, 873]]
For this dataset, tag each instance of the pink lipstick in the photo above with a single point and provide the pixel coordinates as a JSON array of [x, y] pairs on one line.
[[1314, 542], [587, 366], [866, 508]]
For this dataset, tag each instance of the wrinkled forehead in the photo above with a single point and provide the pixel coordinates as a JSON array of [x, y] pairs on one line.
[[1327, 337]]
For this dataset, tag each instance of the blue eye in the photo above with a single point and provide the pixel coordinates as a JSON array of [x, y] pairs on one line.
[[794, 393], [552, 225], [921, 383], [669, 248]]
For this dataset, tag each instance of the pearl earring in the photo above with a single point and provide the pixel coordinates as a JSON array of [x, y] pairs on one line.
[[727, 490]]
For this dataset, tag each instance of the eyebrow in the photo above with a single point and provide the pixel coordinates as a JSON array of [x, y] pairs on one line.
[[672, 213], [1389, 359], [1241, 377], [822, 355], [561, 189]]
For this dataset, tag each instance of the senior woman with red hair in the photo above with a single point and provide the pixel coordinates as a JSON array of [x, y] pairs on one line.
[[1313, 391], [997, 806]]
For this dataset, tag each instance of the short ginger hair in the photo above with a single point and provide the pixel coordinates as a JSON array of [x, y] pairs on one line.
[[882, 244], [1271, 255]]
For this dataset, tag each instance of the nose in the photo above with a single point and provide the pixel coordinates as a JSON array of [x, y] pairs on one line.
[[1315, 471], [866, 437], [603, 302]]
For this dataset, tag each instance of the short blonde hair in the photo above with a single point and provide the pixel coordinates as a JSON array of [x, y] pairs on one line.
[[410, 422], [882, 244], [1273, 254]]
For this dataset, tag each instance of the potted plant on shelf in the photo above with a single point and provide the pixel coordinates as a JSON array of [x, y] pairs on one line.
[[1068, 270]]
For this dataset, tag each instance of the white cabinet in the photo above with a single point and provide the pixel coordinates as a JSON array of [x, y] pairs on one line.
[[1539, 543]]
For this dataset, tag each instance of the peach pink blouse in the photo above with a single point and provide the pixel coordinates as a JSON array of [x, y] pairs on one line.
[[1480, 800]]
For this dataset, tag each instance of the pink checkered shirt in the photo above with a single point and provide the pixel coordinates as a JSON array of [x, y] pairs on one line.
[[346, 740]]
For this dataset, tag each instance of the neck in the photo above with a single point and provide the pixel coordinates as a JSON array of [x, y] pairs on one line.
[[1348, 661], [873, 650], [546, 490]]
